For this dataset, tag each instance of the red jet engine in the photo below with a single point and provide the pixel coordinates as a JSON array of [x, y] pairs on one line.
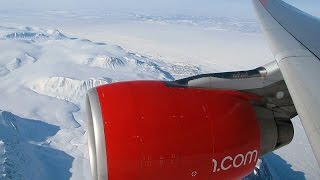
[[147, 130]]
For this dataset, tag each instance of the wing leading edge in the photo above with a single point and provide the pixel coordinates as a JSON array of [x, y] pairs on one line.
[[294, 37]]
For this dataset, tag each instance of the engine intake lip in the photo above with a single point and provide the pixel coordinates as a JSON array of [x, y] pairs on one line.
[[96, 141]]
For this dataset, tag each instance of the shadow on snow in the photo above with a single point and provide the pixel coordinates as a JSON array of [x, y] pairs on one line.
[[273, 167], [24, 152]]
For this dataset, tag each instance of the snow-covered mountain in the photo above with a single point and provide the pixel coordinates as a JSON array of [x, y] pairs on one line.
[[43, 82], [45, 73]]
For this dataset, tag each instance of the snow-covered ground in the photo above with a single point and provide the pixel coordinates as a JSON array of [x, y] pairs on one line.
[[49, 59]]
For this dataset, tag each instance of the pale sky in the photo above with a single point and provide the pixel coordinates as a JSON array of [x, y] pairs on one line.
[[232, 7]]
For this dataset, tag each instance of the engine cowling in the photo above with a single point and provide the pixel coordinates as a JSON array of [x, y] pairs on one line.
[[149, 130]]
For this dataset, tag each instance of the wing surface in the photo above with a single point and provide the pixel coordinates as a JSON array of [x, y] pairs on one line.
[[294, 38]]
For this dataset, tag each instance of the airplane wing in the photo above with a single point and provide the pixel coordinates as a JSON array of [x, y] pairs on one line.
[[294, 37]]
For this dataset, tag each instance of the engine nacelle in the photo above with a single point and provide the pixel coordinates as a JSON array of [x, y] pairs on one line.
[[149, 130]]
